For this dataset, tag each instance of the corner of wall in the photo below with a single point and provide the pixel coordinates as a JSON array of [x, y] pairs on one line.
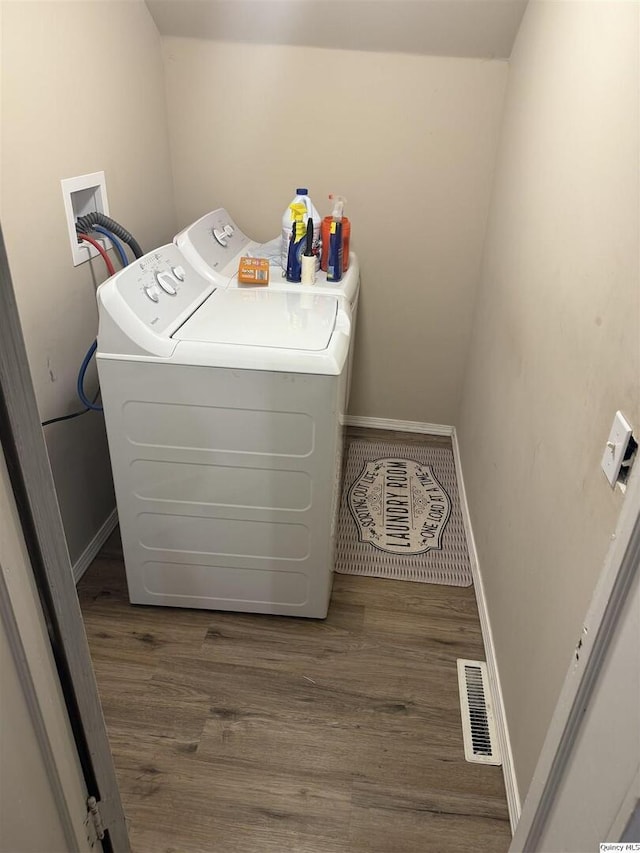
[[508, 767]]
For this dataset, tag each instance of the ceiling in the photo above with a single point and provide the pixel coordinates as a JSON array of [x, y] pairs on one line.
[[461, 28]]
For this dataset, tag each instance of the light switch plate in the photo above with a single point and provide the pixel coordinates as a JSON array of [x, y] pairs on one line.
[[616, 448]]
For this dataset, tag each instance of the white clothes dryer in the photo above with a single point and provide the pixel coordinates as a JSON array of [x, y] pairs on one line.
[[224, 412], [214, 245]]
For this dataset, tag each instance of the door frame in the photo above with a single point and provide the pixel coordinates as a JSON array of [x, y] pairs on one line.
[[36, 501], [621, 565], [43, 719]]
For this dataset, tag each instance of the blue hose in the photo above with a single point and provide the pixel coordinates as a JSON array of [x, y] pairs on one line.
[[80, 384], [117, 245], [90, 404]]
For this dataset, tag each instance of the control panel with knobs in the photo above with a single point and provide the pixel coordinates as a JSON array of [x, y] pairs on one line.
[[214, 244], [161, 288]]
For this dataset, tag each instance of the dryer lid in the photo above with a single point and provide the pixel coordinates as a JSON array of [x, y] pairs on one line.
[[263, 318]]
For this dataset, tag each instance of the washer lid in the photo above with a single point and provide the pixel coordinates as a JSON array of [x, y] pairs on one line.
[[263, 318]]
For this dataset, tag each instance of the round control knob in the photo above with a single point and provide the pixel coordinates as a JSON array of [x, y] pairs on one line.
[[152, 292], [228, 230], [220, 234], [165, 280], [178, 273]]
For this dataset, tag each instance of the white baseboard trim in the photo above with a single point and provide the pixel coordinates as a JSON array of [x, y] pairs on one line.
[[91, 551], [508, 769], [401, 426]]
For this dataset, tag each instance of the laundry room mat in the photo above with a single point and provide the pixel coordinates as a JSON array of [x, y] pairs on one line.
[[400, 515]]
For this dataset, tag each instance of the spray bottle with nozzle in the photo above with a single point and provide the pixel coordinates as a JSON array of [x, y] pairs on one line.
[[330, 224], [296, 242], [334, 264]]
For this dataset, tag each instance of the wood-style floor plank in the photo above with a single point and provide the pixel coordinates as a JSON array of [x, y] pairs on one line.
[[241, 733]]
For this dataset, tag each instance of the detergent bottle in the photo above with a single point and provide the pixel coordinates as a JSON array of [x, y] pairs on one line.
[[302, 197], [327, 226], [297, 235]]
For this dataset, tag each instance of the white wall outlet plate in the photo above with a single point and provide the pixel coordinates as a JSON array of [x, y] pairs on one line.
[[82, 195], [616, 448]]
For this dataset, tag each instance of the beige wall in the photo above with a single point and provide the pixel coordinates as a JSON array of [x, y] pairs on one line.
[[409, 140], [555, 345], [82, 91]]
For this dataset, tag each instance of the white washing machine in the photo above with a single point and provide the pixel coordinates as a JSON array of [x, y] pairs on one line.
[[224, 412]]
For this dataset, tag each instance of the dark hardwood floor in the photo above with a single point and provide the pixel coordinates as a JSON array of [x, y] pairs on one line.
[[238, 733]]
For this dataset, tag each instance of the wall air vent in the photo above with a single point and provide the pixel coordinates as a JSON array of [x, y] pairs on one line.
[[478, 722]]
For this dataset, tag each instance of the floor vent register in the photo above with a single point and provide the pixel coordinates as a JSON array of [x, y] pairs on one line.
[[478, 722]]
